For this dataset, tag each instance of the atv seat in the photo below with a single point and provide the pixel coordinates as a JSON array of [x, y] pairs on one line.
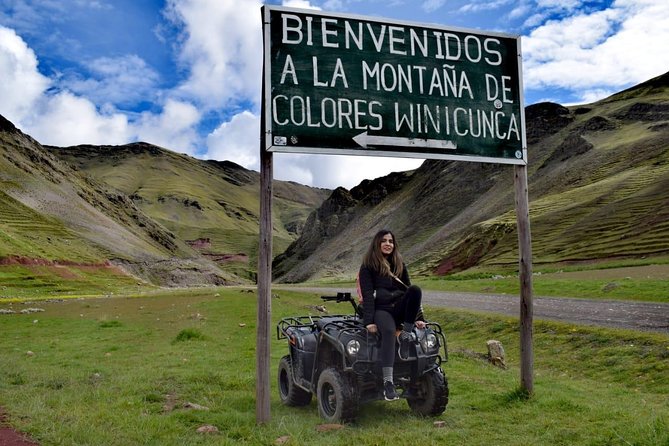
[[322, 322]]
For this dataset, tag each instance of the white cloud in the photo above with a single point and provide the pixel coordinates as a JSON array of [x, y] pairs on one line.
[[483, 6], [221, 49], [347, 171], [590, 96], [520, 10], [22, 85], [333, 5], [94, 4], [432, 5], [66, 119], [237, 140], [173, 129], [57, 119], [304, 4], [559, 4], [533, 20], [295, 167], [609, 49], [117, 80]]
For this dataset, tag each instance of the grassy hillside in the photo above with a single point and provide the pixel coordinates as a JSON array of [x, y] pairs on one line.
[[55, 221], [212, 205], [49, 211], [597, 187], [598, 176], [156, 216]]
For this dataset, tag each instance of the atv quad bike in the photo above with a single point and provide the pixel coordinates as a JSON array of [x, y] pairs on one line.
[[336, 358]]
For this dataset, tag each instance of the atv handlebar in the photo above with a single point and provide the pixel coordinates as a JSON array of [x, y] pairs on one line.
[[340, 297]]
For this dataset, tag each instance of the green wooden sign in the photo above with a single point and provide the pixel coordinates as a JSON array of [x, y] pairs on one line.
[[353, 85]]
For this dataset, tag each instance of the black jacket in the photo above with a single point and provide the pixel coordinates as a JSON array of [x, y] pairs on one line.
[[384, 286]]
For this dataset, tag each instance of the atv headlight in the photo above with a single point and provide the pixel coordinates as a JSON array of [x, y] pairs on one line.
[[353, 347], [430, 342]]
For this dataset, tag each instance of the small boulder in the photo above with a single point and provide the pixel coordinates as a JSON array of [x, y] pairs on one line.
[[195, 406], [207, 429], [496, 354]]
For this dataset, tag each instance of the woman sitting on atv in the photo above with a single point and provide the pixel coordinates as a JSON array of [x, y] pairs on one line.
[[389, 302]]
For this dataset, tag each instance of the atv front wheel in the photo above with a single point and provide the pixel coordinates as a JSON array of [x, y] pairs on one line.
[[337, 398], [289, 393], [430, 395]]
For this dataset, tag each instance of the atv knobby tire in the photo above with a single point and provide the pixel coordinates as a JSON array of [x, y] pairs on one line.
[[431, 394], [337, 397], [289, 393]]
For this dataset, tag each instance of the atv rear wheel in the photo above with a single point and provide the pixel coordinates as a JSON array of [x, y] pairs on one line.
[[337, 397], [289, 393], [430, 396]]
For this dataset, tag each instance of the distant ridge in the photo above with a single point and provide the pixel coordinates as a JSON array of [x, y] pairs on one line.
[[598, 181]]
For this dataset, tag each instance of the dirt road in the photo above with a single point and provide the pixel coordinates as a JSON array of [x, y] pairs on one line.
[[644, 316]]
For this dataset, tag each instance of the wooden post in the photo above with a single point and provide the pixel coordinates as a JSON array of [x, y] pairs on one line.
[[525, 274], [264, 315]]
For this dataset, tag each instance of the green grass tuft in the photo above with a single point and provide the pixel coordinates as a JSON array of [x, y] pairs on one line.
[[111, 324], [189, 334]]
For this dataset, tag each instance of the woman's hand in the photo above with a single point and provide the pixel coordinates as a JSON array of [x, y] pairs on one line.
[[420, 325], [371, 328]]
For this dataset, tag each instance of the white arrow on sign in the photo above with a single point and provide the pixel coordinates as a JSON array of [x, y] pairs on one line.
[[365, 140]]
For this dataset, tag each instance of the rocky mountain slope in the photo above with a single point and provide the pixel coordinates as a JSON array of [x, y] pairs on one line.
[[212, 205], [598, 182]]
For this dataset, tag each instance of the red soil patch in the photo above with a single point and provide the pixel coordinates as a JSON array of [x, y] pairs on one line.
[[59, 267], [21, 260], [204, 244], [201, 243], [10, 437], [225, 258]]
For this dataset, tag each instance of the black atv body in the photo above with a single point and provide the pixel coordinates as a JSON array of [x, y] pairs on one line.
[[336, 359]]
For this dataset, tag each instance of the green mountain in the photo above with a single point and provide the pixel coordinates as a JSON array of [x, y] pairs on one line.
[[598, 182], [164, 218]]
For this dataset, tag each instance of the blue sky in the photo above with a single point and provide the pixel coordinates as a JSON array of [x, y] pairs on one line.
[[185, 74]]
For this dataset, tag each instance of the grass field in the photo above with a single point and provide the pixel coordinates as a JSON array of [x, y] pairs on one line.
[[42, 282], [120, 370]]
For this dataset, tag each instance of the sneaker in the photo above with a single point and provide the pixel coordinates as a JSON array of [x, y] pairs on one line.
[[389, 391], [405, 338]]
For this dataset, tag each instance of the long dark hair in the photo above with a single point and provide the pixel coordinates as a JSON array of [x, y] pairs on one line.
[[376, 261]]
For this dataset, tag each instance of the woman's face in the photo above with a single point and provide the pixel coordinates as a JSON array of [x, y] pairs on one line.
[[387, 244]]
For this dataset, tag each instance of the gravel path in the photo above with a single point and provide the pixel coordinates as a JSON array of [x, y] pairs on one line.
[[643, 316]]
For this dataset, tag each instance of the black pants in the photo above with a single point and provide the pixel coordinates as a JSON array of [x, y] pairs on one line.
[[387, 321]]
